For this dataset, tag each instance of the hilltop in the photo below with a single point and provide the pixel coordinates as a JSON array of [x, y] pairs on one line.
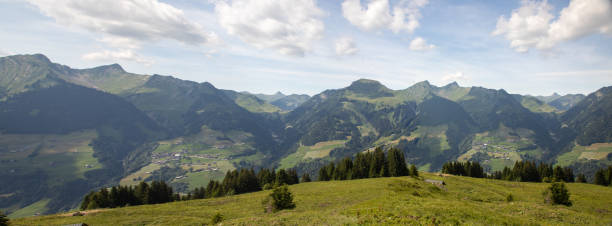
[[399, 200]]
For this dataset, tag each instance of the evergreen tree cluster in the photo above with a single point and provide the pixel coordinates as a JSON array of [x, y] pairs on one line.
[[119, 196], [368, 165], [470, 169], [603, 177], [532, 172], [235, 182], [246, 180]]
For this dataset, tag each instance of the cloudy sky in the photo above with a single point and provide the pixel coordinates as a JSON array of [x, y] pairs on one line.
[[307, 46]]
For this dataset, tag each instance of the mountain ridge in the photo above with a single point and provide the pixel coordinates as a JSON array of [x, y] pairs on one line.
[[430, 124]]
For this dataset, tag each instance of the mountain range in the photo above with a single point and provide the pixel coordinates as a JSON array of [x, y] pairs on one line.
[[64, 131]]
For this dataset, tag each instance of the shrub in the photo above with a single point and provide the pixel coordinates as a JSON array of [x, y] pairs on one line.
[[3, 219], [280, 199], [268, 186], [217, 218], [414, 171], [557, 194], [509, 198]]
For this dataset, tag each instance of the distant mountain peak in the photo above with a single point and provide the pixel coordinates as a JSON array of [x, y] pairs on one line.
[[452, 85], [110, 68], [422, 84], [31, 57], [366, 85]]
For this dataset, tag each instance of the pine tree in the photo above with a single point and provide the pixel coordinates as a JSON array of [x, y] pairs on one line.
[[414, 171], [282, 198], [557, 193], [305, 178], [600, 178]]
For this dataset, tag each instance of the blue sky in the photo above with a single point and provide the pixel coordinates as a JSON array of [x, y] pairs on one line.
[[307, 46]]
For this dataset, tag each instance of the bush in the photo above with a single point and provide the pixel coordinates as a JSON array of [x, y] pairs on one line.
[[268, 186], [509, 198], [557, 194], [217, 218], [414, 171], [280, 199], [3, 219]]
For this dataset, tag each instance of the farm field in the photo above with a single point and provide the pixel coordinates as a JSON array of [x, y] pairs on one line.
[[596, 151], [195, 159], [319, 150], [400, 200]]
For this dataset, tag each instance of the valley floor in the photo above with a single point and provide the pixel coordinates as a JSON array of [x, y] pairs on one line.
[[401, 200]]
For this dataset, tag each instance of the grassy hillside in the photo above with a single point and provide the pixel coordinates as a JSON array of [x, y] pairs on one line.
[[402, 200]]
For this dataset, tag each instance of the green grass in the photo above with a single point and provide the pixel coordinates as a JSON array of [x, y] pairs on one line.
[[597, 151], [404, 201], [201, 179], [31, 210], [319, 150], [252, 104], [62, 157], [534, 105]]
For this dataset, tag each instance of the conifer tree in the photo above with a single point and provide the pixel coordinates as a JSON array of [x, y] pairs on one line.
[[306, 178], [414, 171]]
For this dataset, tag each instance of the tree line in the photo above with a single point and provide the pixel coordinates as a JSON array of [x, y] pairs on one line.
[[246, 180], [119, 196], [368, 165], [603, 177], [235, 182], [528, 171], [469, 169]]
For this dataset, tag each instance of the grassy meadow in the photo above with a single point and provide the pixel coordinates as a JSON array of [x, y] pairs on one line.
[[400, 200]]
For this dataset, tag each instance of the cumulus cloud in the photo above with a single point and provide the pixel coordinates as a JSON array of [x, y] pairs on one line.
[[532, 25], [126, 24], [107, 55], [346, 46], [378, 14], [419, 44], [289, 26], [453, 77]]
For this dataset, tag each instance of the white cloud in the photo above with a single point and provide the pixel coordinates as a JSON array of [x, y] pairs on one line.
[[289, 26], [419, 44], [378, 15], [107, 55], [453, 77], [141, 20], [126, 24], [346, 46], [5, 53], [531, 25]]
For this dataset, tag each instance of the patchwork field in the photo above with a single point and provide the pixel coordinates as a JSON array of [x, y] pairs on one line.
[[597, 151], [502, 147], [387, 201], [318, 150], [201, 157]]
